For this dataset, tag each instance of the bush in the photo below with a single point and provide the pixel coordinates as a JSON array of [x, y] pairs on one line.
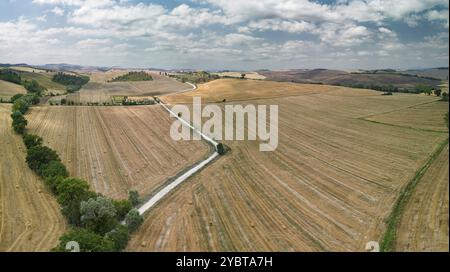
[[122, 208], [437, 92], [87, 240], [31, 140], [71, 192], [119, 236], [444, 97], [133, 220], [133, 197], [220, 149], [39, 156]]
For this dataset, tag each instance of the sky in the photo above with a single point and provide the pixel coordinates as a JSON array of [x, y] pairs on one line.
[[227, 34]]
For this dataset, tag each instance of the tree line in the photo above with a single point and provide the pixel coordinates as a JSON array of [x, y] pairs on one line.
[[133, 76], [73, 83], [95, 219], [30, 85]]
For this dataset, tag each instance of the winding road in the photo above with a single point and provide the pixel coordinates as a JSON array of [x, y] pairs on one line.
[[167, 189]]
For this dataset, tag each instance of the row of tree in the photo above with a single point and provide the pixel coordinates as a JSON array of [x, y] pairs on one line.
[[21, 103], [12, 76], [96, 219]]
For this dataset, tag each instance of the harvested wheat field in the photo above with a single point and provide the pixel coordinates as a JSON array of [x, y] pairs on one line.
[[329, 186], [99, 90], [245, 90], [427, 116], [115, 148], [424, 224], [8, 89], [30, 218]]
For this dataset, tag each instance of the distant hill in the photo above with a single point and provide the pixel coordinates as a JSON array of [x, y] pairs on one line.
[[441, 73], [361, 79]]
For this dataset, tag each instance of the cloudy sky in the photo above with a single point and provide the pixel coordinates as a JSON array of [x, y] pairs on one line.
[[227, 34]]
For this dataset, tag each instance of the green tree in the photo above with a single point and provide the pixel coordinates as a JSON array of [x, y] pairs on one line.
[[21, 105], [122, 208], [70, 193], [19, 122], [52, 182], [444, 97], [87, 240], [437, 92], [133, 220], [31, 140], [133, 197], [15, 97], [54, 169], [119, 236], [98, 215], [38, 156]]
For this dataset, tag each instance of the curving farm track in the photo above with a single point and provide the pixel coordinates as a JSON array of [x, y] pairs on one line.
[[116, 148], [30, 219], [329, 186]]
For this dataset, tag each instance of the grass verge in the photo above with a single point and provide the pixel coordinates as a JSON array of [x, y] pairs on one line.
[[389, 237]]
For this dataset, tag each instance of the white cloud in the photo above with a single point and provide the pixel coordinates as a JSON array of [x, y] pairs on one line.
[[57, 11], [290, 26]]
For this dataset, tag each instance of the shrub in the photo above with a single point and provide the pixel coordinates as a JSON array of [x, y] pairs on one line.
[[38, 156], [133, 197], [220, 149], [437, 92], [444, 97], [31, 140], [133, 220], [87, 240]]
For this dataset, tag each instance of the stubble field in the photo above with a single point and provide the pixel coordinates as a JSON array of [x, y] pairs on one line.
[[329, 186], [99, 90], [8, 89], [115, 149], [30, 219], [424, 224]]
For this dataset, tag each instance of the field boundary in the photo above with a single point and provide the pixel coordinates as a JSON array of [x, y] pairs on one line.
[[389, 237], [408, 127]]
